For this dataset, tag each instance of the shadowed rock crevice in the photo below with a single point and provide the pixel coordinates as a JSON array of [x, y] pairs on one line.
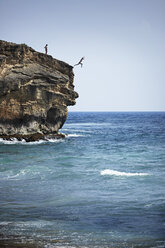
[[35, 90]]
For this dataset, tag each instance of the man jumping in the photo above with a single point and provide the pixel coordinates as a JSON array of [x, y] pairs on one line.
[[80, 62]]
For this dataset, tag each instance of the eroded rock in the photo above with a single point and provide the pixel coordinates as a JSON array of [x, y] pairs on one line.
[[35, 90]]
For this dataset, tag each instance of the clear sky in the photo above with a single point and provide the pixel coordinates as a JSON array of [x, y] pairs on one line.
[[123, 42]]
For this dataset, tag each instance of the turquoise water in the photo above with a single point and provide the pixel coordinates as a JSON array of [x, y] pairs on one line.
[[102, 186]]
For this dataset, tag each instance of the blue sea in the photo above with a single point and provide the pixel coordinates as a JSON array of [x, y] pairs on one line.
[[103, 186]]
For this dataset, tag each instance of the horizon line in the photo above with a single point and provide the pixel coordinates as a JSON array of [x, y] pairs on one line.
[[142, 111]]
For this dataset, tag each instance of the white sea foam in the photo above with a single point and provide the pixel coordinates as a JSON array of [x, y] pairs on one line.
[[23, 142], [5, 223], [51, 140], [119, 173], [19, 175], [76, 130], [11, 142], [74, 135], [54, 140]]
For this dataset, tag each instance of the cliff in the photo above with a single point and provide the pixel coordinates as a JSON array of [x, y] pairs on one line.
[[35, 90]]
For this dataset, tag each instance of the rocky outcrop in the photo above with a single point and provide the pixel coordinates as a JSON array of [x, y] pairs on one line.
[[35, 90]]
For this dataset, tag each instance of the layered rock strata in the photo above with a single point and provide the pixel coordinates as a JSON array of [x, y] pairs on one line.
[[35, 90]]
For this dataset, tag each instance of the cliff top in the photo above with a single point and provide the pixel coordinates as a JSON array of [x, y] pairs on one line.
[[21, 53]]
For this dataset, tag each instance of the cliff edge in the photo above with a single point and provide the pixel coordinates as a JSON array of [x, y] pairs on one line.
[[35, 90]]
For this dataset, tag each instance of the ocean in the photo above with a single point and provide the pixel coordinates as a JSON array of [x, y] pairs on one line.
[[103, 186]]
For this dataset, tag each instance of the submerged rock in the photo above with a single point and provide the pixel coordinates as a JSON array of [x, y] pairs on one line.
[[35, 90]]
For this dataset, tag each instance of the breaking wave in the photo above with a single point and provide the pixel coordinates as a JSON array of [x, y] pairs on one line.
[[51, 140], [74, 135], [23, 142], [119, 173]]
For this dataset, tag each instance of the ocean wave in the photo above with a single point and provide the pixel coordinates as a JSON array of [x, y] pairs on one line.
[[18, 175], [74, 135], [14, 141], [86, 124], [76, 130], [29, 172], [119, 173]]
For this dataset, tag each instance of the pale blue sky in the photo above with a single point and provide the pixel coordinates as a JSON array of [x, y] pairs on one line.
[[123, 42]]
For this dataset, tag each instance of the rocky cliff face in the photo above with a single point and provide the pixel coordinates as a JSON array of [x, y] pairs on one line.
[[35, 90]]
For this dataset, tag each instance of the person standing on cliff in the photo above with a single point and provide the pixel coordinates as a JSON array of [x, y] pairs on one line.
[[46, 49]]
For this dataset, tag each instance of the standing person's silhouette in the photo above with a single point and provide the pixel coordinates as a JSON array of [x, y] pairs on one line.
[[46, 49]]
